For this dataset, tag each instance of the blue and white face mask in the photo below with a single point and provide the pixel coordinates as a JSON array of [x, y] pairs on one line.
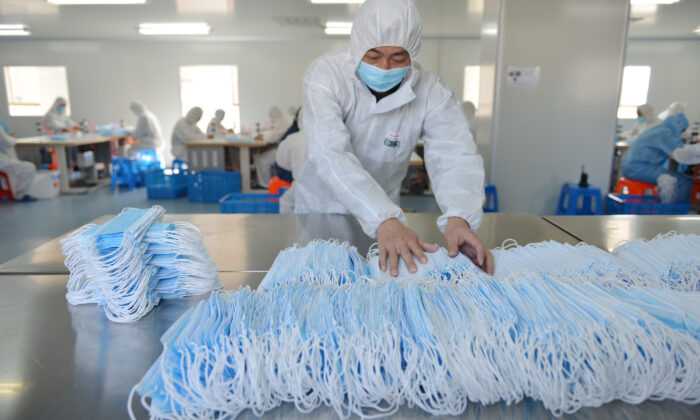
[[641, 120], [380, 80]]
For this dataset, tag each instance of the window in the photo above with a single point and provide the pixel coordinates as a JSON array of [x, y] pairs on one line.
[[211, 88], [471, 84], [635, 88], [32, 90]]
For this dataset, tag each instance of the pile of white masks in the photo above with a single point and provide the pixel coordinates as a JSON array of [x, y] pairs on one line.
[[132, 262], [570, 326]]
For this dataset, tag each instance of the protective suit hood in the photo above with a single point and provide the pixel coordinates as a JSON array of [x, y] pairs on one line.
[[675, 108], [219, 115], [275, 114], [137, 108], [676, 123], [57, 103], [647, 112], [194, 115], [382, 23]]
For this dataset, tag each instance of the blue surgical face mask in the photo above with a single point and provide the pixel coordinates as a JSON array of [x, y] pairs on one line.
[[61, 109], [641, 120], [380, 80]]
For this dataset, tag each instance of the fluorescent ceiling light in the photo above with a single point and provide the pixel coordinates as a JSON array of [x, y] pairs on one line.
[[13, 30], [338, 28], [697, 30], [94, 2], [337, 1], [633, 2], [196, 28]]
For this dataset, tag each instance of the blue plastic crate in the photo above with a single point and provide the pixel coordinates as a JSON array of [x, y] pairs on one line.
[[166, 183], [250, 203], [210, 186], [642, 204]]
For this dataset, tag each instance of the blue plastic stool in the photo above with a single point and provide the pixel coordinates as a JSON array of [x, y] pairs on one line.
[[569, 201], [491, 204], [149, 160], [126, 172]]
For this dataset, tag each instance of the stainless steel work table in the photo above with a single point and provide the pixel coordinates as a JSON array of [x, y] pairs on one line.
[[59, 361], [606, 232], [240, 242]]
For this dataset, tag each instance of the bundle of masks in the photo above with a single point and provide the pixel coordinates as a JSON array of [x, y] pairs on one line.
[[570, 326], [132, 262]]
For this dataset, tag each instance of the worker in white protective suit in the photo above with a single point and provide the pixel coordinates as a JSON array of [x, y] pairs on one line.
[[646, 118], [186, 130], [365, 108], [20, 173], [215, 128], [291, 153], [147, 130], [57, 120], [264, 161], [677, 107], [470, 112]]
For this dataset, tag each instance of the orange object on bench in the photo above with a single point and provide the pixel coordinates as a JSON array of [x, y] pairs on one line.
[[631, 187], [275, 185]]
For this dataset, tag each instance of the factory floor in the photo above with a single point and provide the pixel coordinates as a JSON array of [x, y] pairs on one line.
[[24, 226]]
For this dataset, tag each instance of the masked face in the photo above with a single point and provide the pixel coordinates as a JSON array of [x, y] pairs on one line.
[[641, 120], [62, 109]]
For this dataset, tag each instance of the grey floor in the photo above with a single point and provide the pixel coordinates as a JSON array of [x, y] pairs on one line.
[[24, 226]]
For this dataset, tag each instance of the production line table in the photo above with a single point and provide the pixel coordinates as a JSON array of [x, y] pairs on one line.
[[606, 232], [247, 242], [60, 361], [61, 147]]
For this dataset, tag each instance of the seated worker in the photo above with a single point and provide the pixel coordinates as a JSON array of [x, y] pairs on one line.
[[147, 130], [56, 119], [265, 160], [646, 118], [645, 159], [20, 173], [215, 128], [186, 130], [365, 108]]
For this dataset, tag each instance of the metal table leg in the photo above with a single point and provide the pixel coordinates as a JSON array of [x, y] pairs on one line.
[[245, 169]]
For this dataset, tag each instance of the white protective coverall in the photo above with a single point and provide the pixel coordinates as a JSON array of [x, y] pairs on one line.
[[265, 160], [675, 108], [147, 130], [215, 128], [689, 155], [650, 120], [359, 149], [291, 153], [21, 173], [58, 121], [186, 130]]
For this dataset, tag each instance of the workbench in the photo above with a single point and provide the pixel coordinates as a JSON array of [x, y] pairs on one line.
[[59, 361], [606, 232], [250, 242], [205, 154], [61, 147]]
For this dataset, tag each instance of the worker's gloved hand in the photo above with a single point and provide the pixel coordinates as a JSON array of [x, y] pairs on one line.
[[396, 240], [460, 238]]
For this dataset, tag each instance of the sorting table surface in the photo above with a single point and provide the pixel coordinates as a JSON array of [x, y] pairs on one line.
[[250, 242], [606, 232], [59, 361]]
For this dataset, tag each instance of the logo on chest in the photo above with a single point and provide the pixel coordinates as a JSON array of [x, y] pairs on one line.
[[392, 140]]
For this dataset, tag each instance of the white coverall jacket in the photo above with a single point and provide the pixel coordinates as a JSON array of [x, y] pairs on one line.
[[359, 149], [21, 173], [57, 121], [186, 130], [147, 129]]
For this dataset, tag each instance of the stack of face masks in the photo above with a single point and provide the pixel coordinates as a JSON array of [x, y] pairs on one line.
[[131, 262], [570, 326]]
